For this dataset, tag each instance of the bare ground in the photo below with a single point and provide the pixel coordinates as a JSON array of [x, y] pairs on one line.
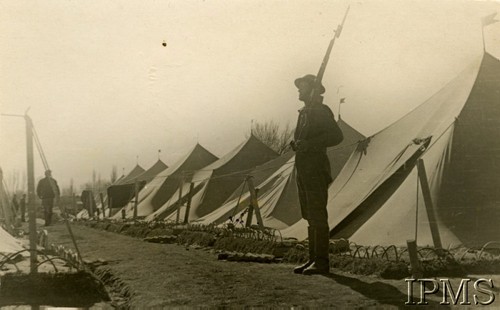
[[170, 275]]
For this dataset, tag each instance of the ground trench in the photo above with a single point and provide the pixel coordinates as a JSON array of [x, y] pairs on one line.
[[74, 289]]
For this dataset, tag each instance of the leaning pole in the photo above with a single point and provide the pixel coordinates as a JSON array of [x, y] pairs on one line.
[[31, 195]]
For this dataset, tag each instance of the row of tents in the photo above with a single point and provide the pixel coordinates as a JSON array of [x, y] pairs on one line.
[[8, 244], [376, 197]]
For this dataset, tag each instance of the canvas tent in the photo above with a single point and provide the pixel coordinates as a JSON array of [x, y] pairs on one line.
[[213, 184], [377, 198], [123, 190], [163, 186], [7, 213], [153, 171], [277, 191], [8, 244], [470, 198], [128, 190]]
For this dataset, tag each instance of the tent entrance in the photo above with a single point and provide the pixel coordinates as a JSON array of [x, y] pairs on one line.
[[351, 223]]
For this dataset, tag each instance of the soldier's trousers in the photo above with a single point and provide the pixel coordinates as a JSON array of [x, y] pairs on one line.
[[48, 204], [313, 179]]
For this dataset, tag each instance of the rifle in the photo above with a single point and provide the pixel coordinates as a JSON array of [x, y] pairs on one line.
[[321, 72]]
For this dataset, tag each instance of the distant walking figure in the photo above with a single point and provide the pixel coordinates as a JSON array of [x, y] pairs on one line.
[[15, 203], [48, 190], [316, 130], [22, 205]]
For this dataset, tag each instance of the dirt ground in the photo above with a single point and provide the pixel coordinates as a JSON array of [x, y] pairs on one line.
[[170, 275]]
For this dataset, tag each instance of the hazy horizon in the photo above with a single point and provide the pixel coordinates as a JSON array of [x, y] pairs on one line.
[[103, 90]]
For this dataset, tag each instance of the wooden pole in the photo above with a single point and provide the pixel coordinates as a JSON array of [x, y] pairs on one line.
[[177, 218], [431, 212], [110, 204], [31, 195], [136, 200], [188, 206], [91, 205], [249, 215], [73, 202], [255, 203], [416, 268], [68, 226], [103, 206]]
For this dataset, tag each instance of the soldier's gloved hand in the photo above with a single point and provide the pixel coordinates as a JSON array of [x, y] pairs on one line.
[[301, 146], [292, 145]]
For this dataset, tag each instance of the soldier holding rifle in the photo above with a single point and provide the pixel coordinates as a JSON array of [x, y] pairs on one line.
[[316, 130]]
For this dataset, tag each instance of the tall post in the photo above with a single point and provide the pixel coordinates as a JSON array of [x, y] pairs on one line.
[[31, 195], [431, 212], [249, 215], [110, 205], [255, 202], [416, 268], [73, 202], [91, 205], [136, 200], [188, 206], [177, 218], [103, 206]]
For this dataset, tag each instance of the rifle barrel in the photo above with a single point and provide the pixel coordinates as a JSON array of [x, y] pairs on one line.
[[321, 72]]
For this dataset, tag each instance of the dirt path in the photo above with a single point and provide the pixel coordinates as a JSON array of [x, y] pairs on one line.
[[171, 275]]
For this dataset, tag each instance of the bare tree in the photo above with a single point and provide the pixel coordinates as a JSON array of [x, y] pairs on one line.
[[16, 181], [273, 136], [114, 174], [93, 179], [13, 179]]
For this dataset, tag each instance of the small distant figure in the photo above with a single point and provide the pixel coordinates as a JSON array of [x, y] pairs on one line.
[[48, 190], [88, 201], [164, 43], [22, 205], [15, 203]]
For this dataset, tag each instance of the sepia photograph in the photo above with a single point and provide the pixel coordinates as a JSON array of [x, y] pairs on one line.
[[230, 154]]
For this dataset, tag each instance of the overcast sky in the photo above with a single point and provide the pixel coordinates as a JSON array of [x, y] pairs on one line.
[[102, 89]]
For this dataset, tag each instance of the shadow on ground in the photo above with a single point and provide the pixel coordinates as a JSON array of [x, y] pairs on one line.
[[379, 291]]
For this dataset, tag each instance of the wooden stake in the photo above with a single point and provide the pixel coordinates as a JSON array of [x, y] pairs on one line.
[[66, 220], [177, 218], [431, 212], [188, 206], [91, 205], [110, 204], [73, 202], [255, 202], [249, 215], [136, 201], [416, 268], [102, 204], [31, 195]]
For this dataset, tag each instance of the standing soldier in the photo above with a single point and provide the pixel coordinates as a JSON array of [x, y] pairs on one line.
[[15, 203], [48, 190], [22, 205], [316, 130]]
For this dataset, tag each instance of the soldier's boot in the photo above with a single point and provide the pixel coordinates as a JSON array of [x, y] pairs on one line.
[[321, 264], [312, 251], [46, 218]]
